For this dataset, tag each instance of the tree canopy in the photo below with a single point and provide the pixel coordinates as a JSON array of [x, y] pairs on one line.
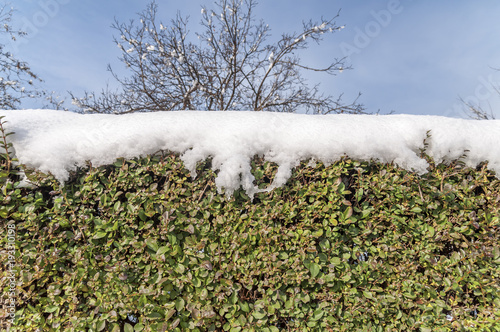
[[232, 65]]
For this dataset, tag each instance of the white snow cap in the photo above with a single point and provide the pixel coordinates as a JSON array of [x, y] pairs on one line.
[[58, 141]]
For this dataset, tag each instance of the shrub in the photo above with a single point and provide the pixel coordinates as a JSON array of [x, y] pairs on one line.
[[141, 246]]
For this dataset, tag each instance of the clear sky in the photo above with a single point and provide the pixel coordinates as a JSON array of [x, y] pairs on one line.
[[413, 57]]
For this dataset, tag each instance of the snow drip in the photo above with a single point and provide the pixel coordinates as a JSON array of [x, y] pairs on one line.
[[58, 141]]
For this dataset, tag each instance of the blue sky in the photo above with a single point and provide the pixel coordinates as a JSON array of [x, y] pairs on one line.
[[412, 57]]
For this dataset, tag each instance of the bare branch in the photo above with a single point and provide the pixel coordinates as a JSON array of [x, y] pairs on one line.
[[17, 80], [477, 112], [231, 67]]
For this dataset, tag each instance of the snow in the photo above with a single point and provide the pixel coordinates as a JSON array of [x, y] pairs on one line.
[[58, 141]]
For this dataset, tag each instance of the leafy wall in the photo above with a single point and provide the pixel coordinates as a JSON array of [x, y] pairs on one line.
[[141, 246]]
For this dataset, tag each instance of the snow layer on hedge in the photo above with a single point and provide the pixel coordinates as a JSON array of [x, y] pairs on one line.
[[57, 141]]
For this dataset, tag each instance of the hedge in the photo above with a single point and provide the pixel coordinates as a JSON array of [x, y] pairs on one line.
[[352, 246]]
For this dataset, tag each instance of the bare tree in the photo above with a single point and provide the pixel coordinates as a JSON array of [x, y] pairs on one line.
[[17, 81], [231, 67], [16, 78]]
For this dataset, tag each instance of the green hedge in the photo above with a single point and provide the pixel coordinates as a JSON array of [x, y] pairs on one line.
[[141, 246]]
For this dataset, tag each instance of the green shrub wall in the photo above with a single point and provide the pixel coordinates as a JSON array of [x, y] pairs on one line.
[[141, 246]]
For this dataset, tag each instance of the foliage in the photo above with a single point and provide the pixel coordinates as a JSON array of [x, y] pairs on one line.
[[232, 67], [141, 246]]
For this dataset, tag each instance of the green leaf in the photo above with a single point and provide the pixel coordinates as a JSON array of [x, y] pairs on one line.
[[172, 239], [101, 325], [155, 315], [347, 213], [245, 307], [242, 321], [139, 327], [409, 295], [259, 314], [335, 260], [169, 314], [51, 308], [283, 255], [3, 213], [431, 231], [180, 269], [317, 233], [99, 235], [142, 215], [314, 269], [318, 313], [359, 194], [368, 295], [128, 328], [441, 303], [162, 250], [151, 243], [196, 282], [179, 304]]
